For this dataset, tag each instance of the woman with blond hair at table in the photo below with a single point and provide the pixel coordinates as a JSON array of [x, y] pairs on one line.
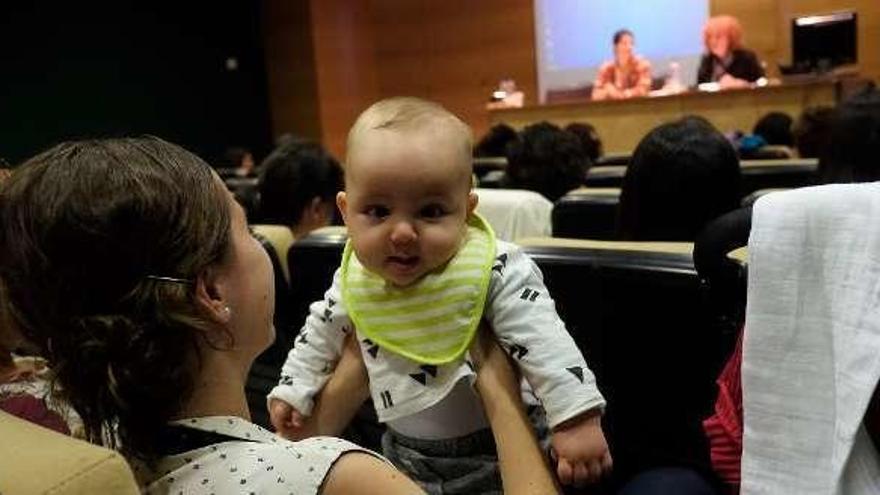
[[726, 60]]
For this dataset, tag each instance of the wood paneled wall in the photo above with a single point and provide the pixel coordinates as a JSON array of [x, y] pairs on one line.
[[454, 52]]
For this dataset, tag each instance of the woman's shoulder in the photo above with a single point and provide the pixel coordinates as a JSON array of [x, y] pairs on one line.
[[252, 460]]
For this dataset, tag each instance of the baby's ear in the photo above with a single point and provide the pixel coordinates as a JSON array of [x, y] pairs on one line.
[[342, 204], [473, 200]]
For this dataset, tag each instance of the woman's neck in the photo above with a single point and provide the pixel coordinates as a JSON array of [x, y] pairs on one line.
[[218, 390]]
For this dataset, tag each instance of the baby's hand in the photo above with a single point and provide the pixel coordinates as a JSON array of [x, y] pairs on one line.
[[581, 451], [288, 422]]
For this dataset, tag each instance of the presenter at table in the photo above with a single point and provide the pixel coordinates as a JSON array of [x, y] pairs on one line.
[[726, 61], [628, 75]]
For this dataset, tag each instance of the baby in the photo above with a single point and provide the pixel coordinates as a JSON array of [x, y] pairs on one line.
[[420, 271]]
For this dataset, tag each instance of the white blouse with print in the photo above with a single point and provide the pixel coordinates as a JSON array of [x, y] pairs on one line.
[[261, 463]]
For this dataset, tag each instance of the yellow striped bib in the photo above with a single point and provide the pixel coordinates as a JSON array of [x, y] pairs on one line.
[[432, 321]]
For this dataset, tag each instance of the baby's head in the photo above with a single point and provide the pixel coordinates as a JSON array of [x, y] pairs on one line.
[[407, 188]]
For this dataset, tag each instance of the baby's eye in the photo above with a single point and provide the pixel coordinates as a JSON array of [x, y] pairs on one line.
[[433, 211], [377, 211]]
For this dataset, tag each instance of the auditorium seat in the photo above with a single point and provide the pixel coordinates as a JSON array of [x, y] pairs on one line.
[[587, 213], [613, 159], [774, 174], [750, 199], [493, 179], [280, 237], [515, 213], [485, 164], [635, 309], [605, 176], [246, 192]]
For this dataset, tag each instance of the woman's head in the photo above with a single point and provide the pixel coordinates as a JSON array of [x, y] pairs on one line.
[[298, 186], [854, 143], [775, 128], [547, 160], [624, 41], [120, 259], [495, 142], [722, 35], [589, 138], [682, 175]]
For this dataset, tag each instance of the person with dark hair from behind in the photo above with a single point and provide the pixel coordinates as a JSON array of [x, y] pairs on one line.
[[853, 153], [682, 175], [812, 131], [775, 128], [589, 138], [495, 142], [627, 76], [298, 185], [547, 160]]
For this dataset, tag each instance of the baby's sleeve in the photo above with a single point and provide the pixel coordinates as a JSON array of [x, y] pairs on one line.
[[315, 352], [524, 318]]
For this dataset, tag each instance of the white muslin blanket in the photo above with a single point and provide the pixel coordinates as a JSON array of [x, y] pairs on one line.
[[811, 352]]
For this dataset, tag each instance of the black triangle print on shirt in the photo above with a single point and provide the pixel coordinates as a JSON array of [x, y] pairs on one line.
[[372, 348], [577, 371], [386, 399], [303, 338], [517, 351], [330, 302], [499, 266], [427, 369], [326, 318]]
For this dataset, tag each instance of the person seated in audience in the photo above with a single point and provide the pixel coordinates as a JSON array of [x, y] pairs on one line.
[[237, 162], [547, 160], [627, 76], [130, 267], [775, 128], [495, 142], [854, 145], [682, 175], [853, 142], [507, 95], [420, 271], [298, 185], [726, 60], [812, 131], [589, 138]]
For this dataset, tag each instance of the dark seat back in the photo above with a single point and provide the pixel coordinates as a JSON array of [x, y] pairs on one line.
[[605, 176], [587, 214], [639, 319], [777, 174]]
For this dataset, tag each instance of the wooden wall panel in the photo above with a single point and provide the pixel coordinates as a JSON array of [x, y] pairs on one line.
[[455, 51], [290, 67]]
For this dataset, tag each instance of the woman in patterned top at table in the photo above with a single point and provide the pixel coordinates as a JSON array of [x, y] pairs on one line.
[[627, 76]]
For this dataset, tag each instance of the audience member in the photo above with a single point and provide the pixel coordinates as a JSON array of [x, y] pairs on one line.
[[239, 162], [854, 145], [682, 175], [775, 128], [495, 142], [726, 61], [298, 185], [626, 76], [812, 131], [130, 267], [547, 160], [589, 138]]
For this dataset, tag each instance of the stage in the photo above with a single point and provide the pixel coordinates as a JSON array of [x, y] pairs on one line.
[[622, 123]]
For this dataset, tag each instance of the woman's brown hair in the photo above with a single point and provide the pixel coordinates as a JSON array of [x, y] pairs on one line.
[[85, 230]]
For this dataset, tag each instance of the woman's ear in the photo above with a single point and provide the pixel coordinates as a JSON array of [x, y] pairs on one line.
[[342, 204], [210, 297]]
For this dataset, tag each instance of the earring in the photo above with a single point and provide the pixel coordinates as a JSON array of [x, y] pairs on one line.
[[227, 310]]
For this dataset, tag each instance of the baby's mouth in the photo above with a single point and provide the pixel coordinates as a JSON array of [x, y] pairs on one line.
[[403, 261]]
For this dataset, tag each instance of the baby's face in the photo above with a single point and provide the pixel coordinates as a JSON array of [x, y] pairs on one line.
[[406, 204]]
